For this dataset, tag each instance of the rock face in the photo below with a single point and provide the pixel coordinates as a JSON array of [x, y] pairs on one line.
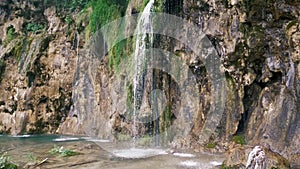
[[258, 42], [37, 76]]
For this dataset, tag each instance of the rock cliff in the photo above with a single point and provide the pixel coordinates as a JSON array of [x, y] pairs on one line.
[[45, 67]]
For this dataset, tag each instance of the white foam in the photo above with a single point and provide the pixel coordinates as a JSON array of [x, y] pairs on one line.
[[22, 136], [138, 153], [96, 140], [215, 163], [66, 139], [189, 163], [183, 155]]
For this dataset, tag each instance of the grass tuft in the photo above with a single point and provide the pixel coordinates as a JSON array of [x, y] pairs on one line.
[[61, 151], [6, 163]]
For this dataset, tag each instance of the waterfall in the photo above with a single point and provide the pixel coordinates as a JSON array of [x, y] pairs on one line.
[[140, 58]]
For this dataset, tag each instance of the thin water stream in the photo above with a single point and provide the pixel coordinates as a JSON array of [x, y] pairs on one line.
[[140, 59]]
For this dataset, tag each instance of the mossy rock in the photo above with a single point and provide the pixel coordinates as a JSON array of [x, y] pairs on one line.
[[211, 145], [238, 139], [18, 49], [223, 166]]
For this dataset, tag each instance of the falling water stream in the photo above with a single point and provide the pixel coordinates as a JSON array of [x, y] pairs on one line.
[[141, 58]]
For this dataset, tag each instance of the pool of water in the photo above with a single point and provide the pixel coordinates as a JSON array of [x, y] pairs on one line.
[[93, 155]]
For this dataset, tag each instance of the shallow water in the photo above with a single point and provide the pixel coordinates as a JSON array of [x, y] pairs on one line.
[[92, 155]]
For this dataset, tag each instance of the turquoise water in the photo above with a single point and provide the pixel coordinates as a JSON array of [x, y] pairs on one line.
[[8, 143]]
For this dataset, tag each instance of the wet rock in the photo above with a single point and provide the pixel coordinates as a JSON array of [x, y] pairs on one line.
[[53, 20], [238, 158], [71, 126]]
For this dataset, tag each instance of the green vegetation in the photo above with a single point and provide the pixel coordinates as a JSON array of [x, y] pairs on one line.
[[129, 99], [10, 35], [223, 166], [167, 117], [211, 145], [34, 27], [103, 12], [6, 163], [62, 151], [18, 48], [69, 5], [77, 4], [238, 139], [116, 54], [68, 20], [32, 158], [106, 11], [145, 2], [2, 68]]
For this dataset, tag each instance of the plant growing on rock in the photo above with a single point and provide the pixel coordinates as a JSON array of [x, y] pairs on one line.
[[10, 35], [211, 145], [223, 166], [34, 27], [6, 163], [238, 139]]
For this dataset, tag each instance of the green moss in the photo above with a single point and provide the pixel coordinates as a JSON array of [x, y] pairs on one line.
[[129, 93], [145, 2], [18, 49], [211, 145], [34, 27], [223, 166], [2, 68], [117, 52], [105, 11], [67, 5], [68, 20], [238, 139], [158, 6], [10, 35]]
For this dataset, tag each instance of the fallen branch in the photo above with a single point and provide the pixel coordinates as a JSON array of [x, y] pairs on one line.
[[42, 162], [82, 163]]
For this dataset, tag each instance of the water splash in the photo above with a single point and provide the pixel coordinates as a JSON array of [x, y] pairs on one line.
[[140, 58]]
